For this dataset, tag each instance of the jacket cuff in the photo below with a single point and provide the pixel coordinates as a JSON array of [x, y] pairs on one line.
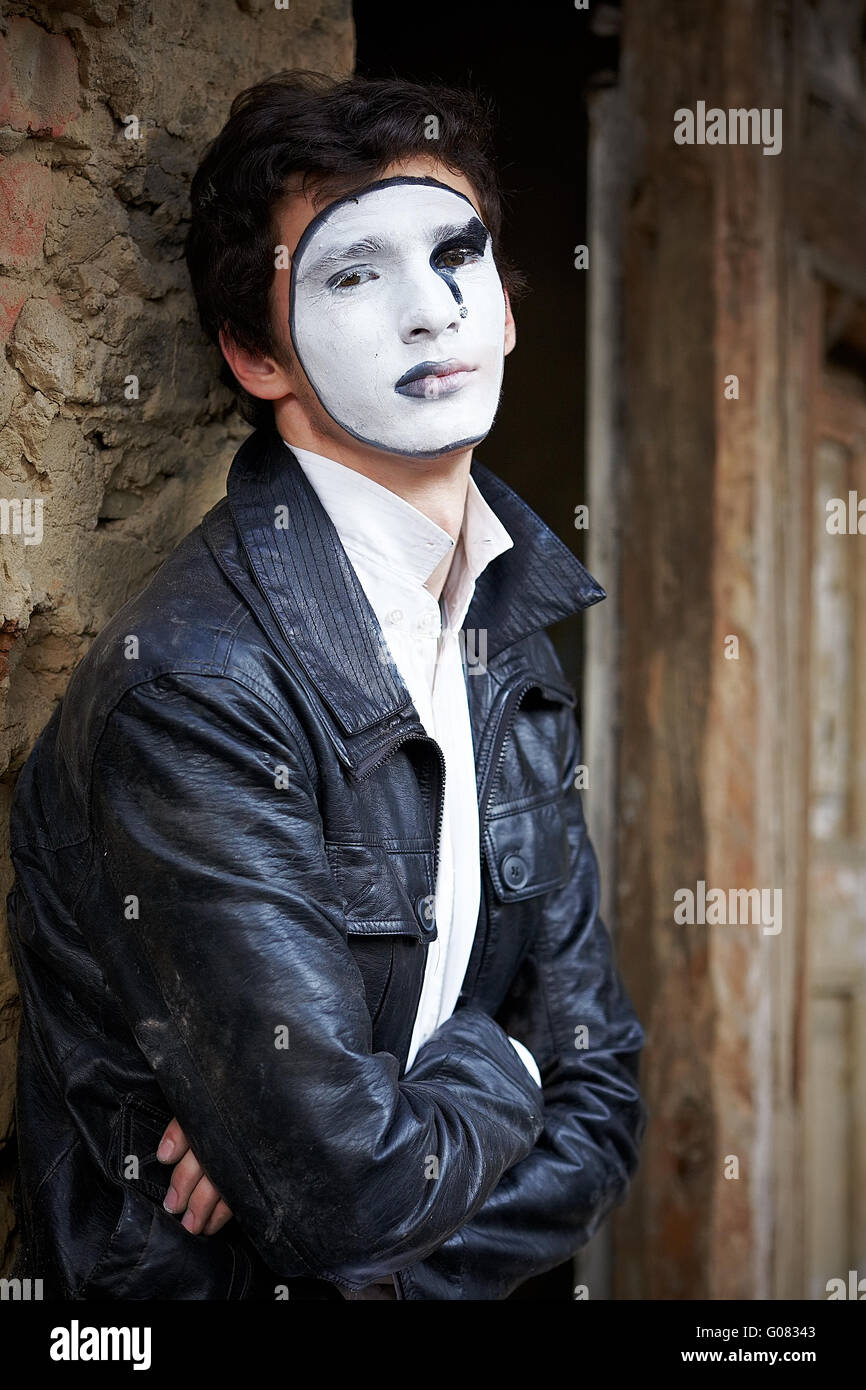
[[474, 1039]]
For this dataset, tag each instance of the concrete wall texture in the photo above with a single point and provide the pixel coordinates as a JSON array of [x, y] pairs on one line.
[[98, 483]]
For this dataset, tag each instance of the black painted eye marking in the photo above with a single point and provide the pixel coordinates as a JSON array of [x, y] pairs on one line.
[[472, 238]]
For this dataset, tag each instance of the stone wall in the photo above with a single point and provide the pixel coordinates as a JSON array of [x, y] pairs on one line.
[[116, 434]]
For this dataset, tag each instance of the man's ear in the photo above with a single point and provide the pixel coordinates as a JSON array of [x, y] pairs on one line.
[[261, 376], [510, 327]]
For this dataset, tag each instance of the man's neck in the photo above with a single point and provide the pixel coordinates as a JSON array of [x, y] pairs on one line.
[[436, 487]]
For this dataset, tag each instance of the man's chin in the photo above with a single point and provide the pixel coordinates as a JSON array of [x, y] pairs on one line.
[[433, 453], [436, 444], [337, 440]]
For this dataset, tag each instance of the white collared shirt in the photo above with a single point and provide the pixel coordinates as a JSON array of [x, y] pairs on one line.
[[394, 548]]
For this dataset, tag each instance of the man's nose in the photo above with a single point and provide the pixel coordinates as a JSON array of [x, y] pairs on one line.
[[430, 307]]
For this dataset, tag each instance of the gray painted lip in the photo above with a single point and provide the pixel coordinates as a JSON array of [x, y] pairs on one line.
[[445, 368]]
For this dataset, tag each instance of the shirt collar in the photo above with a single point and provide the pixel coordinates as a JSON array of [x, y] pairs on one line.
[[396, 543]]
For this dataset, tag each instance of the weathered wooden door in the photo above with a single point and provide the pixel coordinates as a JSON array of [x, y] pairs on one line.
[[835, 1015]]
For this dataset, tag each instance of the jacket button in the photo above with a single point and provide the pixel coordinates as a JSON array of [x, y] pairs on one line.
[[425, 911], [514, 871]]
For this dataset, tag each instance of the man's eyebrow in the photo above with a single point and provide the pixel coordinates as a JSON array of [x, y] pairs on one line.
[[367, 246], [372, 245], [448, 231]]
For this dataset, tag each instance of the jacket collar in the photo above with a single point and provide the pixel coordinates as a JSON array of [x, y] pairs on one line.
[[313, 593]]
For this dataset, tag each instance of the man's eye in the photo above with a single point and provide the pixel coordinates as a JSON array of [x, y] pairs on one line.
[[349, 279], [457, 256]]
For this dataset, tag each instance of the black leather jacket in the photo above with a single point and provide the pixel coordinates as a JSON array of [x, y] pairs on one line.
[[225, 843]]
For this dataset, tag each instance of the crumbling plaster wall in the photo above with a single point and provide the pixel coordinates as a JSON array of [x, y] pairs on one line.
[[94, 308]]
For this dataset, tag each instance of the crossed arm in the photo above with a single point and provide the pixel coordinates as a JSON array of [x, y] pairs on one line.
[[212, 909], [569, 1006]]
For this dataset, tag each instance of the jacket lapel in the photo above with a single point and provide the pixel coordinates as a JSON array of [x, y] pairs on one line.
[[536, 583], [310, 587]]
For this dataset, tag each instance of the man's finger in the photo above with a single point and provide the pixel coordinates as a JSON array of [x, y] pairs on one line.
[[221, 1214], [187, 1174], [202, 1206], [173, 1144], [190, 1190]]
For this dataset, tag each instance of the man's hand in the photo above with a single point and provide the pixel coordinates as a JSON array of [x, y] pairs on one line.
[[191, 1188]]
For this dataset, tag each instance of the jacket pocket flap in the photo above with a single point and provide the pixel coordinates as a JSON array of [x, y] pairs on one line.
[[528, 851], [383, 890], [141, 1127]]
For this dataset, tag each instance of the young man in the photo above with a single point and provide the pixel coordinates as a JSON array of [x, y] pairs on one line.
[[300, 866]]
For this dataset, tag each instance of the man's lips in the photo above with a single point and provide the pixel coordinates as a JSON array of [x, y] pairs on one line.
[[430, 380]]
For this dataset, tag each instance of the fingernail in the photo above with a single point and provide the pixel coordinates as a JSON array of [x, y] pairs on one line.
[[165, 1150], [188, 1220], [170, 1201]]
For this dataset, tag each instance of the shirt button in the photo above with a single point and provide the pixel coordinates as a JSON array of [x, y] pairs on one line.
[[514, 870], [425, 911], [395, 615]]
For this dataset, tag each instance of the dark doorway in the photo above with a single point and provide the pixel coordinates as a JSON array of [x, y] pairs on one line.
[[536, 75]]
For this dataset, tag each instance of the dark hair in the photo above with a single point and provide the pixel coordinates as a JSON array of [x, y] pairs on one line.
[[337, 135]]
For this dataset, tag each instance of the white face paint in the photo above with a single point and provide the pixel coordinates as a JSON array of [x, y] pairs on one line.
[[397, 315]]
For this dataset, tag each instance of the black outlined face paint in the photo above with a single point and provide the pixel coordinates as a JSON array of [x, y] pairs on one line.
[[397, 316]]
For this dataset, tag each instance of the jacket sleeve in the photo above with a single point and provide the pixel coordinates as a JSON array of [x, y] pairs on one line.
[[214, 915], [569, 1006]]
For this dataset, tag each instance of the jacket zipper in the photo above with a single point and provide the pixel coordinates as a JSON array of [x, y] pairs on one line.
[[503, 728], [512, 700], [392, 748]]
